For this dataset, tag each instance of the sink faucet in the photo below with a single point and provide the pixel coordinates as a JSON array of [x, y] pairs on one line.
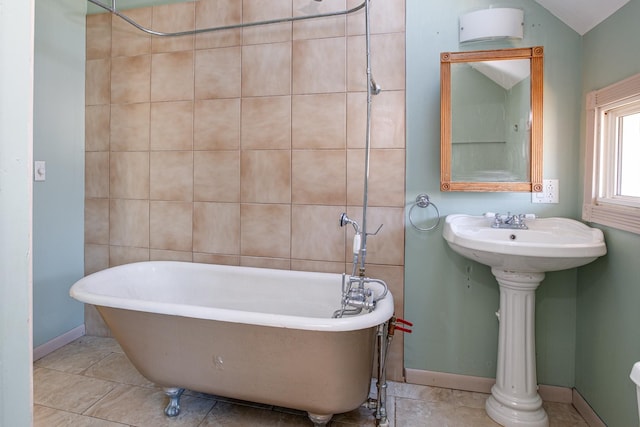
[[510, 221]]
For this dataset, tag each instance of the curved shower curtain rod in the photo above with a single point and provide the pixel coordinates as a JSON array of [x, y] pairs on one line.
[[113, 9]]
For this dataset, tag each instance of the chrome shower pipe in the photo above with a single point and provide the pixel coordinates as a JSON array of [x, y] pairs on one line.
[[372, 88], [114, 10]]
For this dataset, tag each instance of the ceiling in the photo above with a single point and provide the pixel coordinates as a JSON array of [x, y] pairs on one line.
[[582, 15]]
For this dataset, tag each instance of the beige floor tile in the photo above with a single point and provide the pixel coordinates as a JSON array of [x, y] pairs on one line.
[[117, 368], [470, 399], [48, 417], [419, 392], [563, 415], [100, 397], [69, 392], [229, 415], [418, 413], [73, 359], [144, 407]]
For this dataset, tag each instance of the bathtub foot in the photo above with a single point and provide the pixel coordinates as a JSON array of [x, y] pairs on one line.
[[173, 408], [319, 420]]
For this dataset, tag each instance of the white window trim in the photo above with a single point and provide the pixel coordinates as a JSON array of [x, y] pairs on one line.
[[610, 212]]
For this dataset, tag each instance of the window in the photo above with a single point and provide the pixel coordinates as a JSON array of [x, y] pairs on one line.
[[612, 174]]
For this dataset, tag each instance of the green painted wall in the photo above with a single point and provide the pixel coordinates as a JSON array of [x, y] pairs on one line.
[[16, 118], [58, 202], [608, 341], [452, 300]]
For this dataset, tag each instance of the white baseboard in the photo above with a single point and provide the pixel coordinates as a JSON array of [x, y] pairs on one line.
[[548, 393], [60, 341]]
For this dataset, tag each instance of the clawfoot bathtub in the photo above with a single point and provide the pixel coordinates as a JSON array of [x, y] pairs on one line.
[[260, 335]]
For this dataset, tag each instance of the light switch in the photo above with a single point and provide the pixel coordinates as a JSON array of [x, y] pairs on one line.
[[39, 170]]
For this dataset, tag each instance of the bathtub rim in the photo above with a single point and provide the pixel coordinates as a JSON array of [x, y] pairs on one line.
[[383, 312]]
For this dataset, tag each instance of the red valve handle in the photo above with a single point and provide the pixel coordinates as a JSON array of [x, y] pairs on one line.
[[404, 322], [400, 328]]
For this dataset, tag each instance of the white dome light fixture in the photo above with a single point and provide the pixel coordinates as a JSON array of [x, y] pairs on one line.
[[491, 24]]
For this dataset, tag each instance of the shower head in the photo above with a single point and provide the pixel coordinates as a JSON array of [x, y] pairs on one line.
[[344, 220]]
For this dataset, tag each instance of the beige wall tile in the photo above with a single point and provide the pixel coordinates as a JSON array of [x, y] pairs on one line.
[[119, 255], [171, 125], [355, 21], [171, 175], [172, 18], [322, 27], [387, 247], [319, 121], [127, 40], [265, 176], [218, 73], [217, 124], [266, 123], [386, 17], [265, 230], [130, 79], [129, 223], [386, 177], [319, 66], [98, 80], [216, 228], [266, 69], [130, 127], [96, 182], [387, 61], [394, 277], [163, 255], [319, 177], [265, 262], [171, 225], [216, 176], [94, 325], [318, 266], [172, 76], [96, 129], [96, 258], [98, 36], [216, 259], [387, 120], [129, 175], [218, 13], [96, 221], [316, 233], [263, 10]]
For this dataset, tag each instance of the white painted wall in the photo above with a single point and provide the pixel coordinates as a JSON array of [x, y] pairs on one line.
[[16, 141]]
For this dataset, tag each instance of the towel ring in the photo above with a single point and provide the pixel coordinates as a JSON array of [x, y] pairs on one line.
[[422, 201]]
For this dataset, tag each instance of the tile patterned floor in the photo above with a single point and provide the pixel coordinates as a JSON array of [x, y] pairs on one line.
[[90, 383]]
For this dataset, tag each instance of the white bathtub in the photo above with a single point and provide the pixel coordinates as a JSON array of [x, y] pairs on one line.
[[253, 334]]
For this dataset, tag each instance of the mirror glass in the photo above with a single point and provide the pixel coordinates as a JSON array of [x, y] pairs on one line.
[[489, 140]]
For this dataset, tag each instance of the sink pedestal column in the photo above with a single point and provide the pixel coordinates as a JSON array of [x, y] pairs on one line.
[[514, 399]]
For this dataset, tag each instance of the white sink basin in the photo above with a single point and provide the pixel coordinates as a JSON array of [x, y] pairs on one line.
[[549, 244]]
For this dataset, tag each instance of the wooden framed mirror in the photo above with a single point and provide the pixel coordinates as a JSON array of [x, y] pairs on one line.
[[491, 120]]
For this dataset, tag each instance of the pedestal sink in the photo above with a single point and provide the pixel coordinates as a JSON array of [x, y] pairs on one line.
[[519, 259]]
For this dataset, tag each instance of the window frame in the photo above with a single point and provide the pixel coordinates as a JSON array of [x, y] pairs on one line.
[[600, 204]]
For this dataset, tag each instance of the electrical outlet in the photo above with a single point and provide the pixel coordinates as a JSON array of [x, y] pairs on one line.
[[549, 193]]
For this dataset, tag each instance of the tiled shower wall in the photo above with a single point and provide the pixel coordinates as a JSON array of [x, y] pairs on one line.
[[244, 146]]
